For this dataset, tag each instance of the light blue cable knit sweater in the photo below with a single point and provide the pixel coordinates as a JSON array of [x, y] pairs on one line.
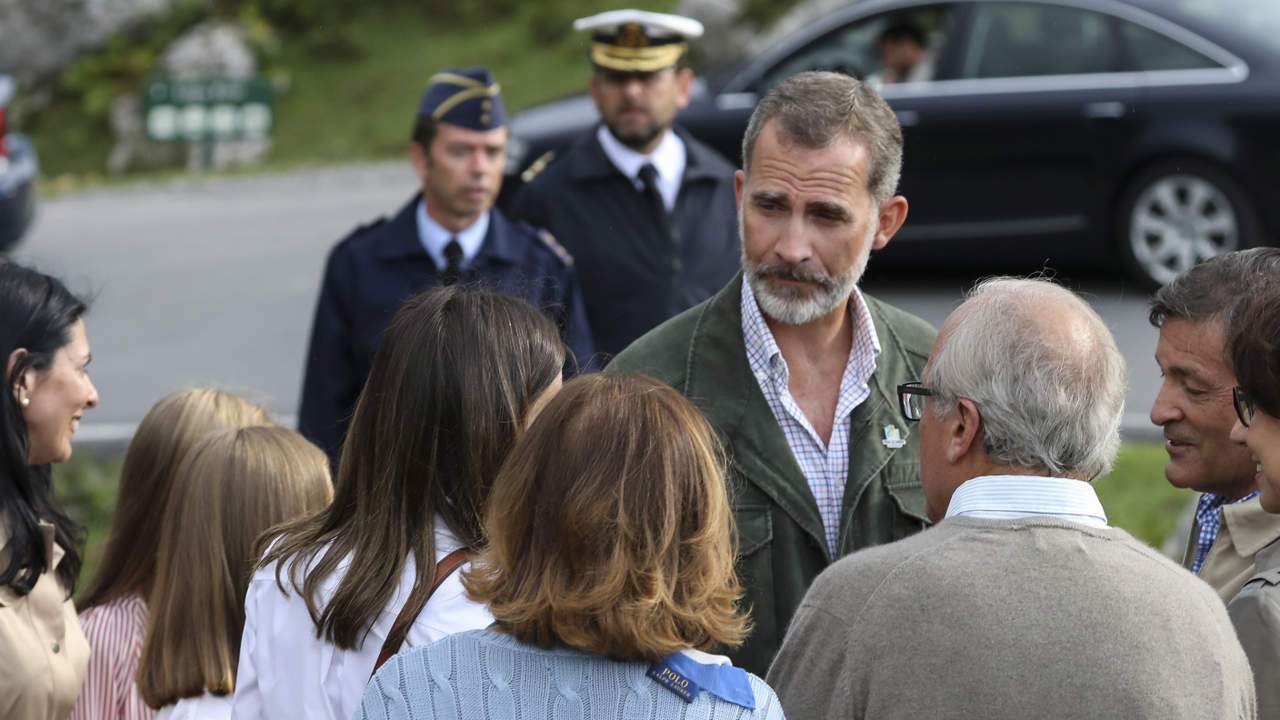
[[485, 675]]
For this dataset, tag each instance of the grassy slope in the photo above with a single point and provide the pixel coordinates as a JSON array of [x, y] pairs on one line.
[[356, 108], [1135, 495], [360, 104]]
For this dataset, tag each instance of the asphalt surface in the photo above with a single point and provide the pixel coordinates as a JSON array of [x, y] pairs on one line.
[[213, 281]]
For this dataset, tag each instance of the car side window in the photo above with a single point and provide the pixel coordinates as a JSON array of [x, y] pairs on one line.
[[897, 47], [1151, 51], [1036, 39]]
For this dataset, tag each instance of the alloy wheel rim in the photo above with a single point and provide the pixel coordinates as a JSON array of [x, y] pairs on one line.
[[1178, 222]]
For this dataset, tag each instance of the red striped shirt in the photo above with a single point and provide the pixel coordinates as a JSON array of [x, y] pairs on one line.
[[115, 631]]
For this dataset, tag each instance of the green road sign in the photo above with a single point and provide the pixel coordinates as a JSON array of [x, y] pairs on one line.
[[209, 109]]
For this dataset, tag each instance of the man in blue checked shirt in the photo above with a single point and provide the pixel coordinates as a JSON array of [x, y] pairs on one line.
[[1195, 410]]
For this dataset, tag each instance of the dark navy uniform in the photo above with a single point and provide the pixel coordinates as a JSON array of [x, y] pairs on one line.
[[634, 276], [375, 269]]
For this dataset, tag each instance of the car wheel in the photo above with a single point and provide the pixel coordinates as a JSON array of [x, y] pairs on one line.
[[1178, 214]]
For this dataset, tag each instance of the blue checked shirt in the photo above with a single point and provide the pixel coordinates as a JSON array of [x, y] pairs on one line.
[[1209, 520], [825, 465]]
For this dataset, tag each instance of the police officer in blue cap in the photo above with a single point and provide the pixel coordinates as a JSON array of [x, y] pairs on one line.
[[646, 209], [448, 233]]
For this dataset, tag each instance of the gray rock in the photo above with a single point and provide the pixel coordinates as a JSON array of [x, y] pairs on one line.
[[211, 49], [214, 49], [131, 149], [40, 37]]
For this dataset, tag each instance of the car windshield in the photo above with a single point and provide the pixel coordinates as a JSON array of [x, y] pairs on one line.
[[1259, 19]]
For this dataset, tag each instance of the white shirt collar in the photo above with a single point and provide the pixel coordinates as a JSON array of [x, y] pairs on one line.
[[1008, 497], [435, 236], [669, 159]]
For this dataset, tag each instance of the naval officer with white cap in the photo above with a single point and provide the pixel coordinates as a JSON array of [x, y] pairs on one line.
[[646, 210]]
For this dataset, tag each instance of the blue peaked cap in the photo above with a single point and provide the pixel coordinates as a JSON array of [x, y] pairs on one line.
[[467, 97]]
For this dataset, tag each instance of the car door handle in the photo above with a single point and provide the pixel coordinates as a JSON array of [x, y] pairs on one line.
[[908, 118], [1105, 110]]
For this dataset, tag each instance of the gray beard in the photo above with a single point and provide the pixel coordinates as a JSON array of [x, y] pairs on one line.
[[795, 306]]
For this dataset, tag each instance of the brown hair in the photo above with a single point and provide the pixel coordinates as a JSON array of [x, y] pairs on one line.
[[169, 430], [1253, 344], [815, 108], [454, 375], [610, 529], [1213, 289], [231, 488]]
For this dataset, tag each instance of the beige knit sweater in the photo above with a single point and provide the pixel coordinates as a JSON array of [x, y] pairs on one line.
[[1030, 619]]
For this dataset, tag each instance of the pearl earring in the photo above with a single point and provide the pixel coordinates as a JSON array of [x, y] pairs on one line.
[[26, 401]]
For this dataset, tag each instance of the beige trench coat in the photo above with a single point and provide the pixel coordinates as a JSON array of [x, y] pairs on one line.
[[1255, 612], [43, 652]]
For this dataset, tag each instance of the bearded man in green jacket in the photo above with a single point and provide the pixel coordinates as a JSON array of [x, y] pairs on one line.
[[792, 364]]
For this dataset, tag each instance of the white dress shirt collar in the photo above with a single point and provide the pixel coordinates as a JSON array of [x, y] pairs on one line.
[[669, 159], [1008, 497], [435, 237]]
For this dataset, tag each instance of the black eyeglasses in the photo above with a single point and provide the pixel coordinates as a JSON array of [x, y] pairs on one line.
[[911, 400], [1244, 405]]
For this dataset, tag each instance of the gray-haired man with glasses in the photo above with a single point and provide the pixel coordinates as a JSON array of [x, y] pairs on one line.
[[1021, 601]]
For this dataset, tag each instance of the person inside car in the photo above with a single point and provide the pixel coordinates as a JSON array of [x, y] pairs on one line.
[[904, 54]]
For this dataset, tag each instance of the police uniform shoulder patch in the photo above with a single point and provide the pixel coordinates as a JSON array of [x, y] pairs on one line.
[[537, 166], [555, 247]]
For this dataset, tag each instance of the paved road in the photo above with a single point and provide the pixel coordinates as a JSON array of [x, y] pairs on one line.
[[214, 281]]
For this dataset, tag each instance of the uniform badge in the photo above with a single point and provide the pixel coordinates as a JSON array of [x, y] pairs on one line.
[[632, 35]]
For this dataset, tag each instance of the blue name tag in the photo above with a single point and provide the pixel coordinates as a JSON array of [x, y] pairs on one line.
[[674, 681]]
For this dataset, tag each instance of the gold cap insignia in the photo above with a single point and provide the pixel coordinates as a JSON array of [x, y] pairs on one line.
[[632, 35]]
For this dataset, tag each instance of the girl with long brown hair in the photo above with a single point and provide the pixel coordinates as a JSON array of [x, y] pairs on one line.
[[456, 376], [609, 573], [231, 488], [113, 609]]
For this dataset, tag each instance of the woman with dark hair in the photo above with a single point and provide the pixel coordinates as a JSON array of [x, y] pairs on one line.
[[456, 377], [43, 652], [113, 608], [609, 572], [1254, 348]]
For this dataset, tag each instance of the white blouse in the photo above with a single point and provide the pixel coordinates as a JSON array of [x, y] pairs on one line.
[[204, 707], [286, 671]]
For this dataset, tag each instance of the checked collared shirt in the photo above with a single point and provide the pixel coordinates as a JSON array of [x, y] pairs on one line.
[[1209, 520], [825, 465]]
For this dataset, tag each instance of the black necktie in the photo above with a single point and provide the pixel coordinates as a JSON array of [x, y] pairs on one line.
[[453, 262], [649, 177]]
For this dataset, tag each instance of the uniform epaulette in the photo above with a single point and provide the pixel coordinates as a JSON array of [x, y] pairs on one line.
[[550, 241], [538, 166]]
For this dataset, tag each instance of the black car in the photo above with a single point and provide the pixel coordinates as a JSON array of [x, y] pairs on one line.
[[1040, 131], [17, 175]]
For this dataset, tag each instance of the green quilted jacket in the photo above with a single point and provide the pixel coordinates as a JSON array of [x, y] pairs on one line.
[[781, 543]]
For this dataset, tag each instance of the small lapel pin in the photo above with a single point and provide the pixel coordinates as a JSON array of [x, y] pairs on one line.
[[893, 438]]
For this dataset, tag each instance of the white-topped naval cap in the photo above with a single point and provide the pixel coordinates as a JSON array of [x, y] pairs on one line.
[[656, 25], [636, 41]]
